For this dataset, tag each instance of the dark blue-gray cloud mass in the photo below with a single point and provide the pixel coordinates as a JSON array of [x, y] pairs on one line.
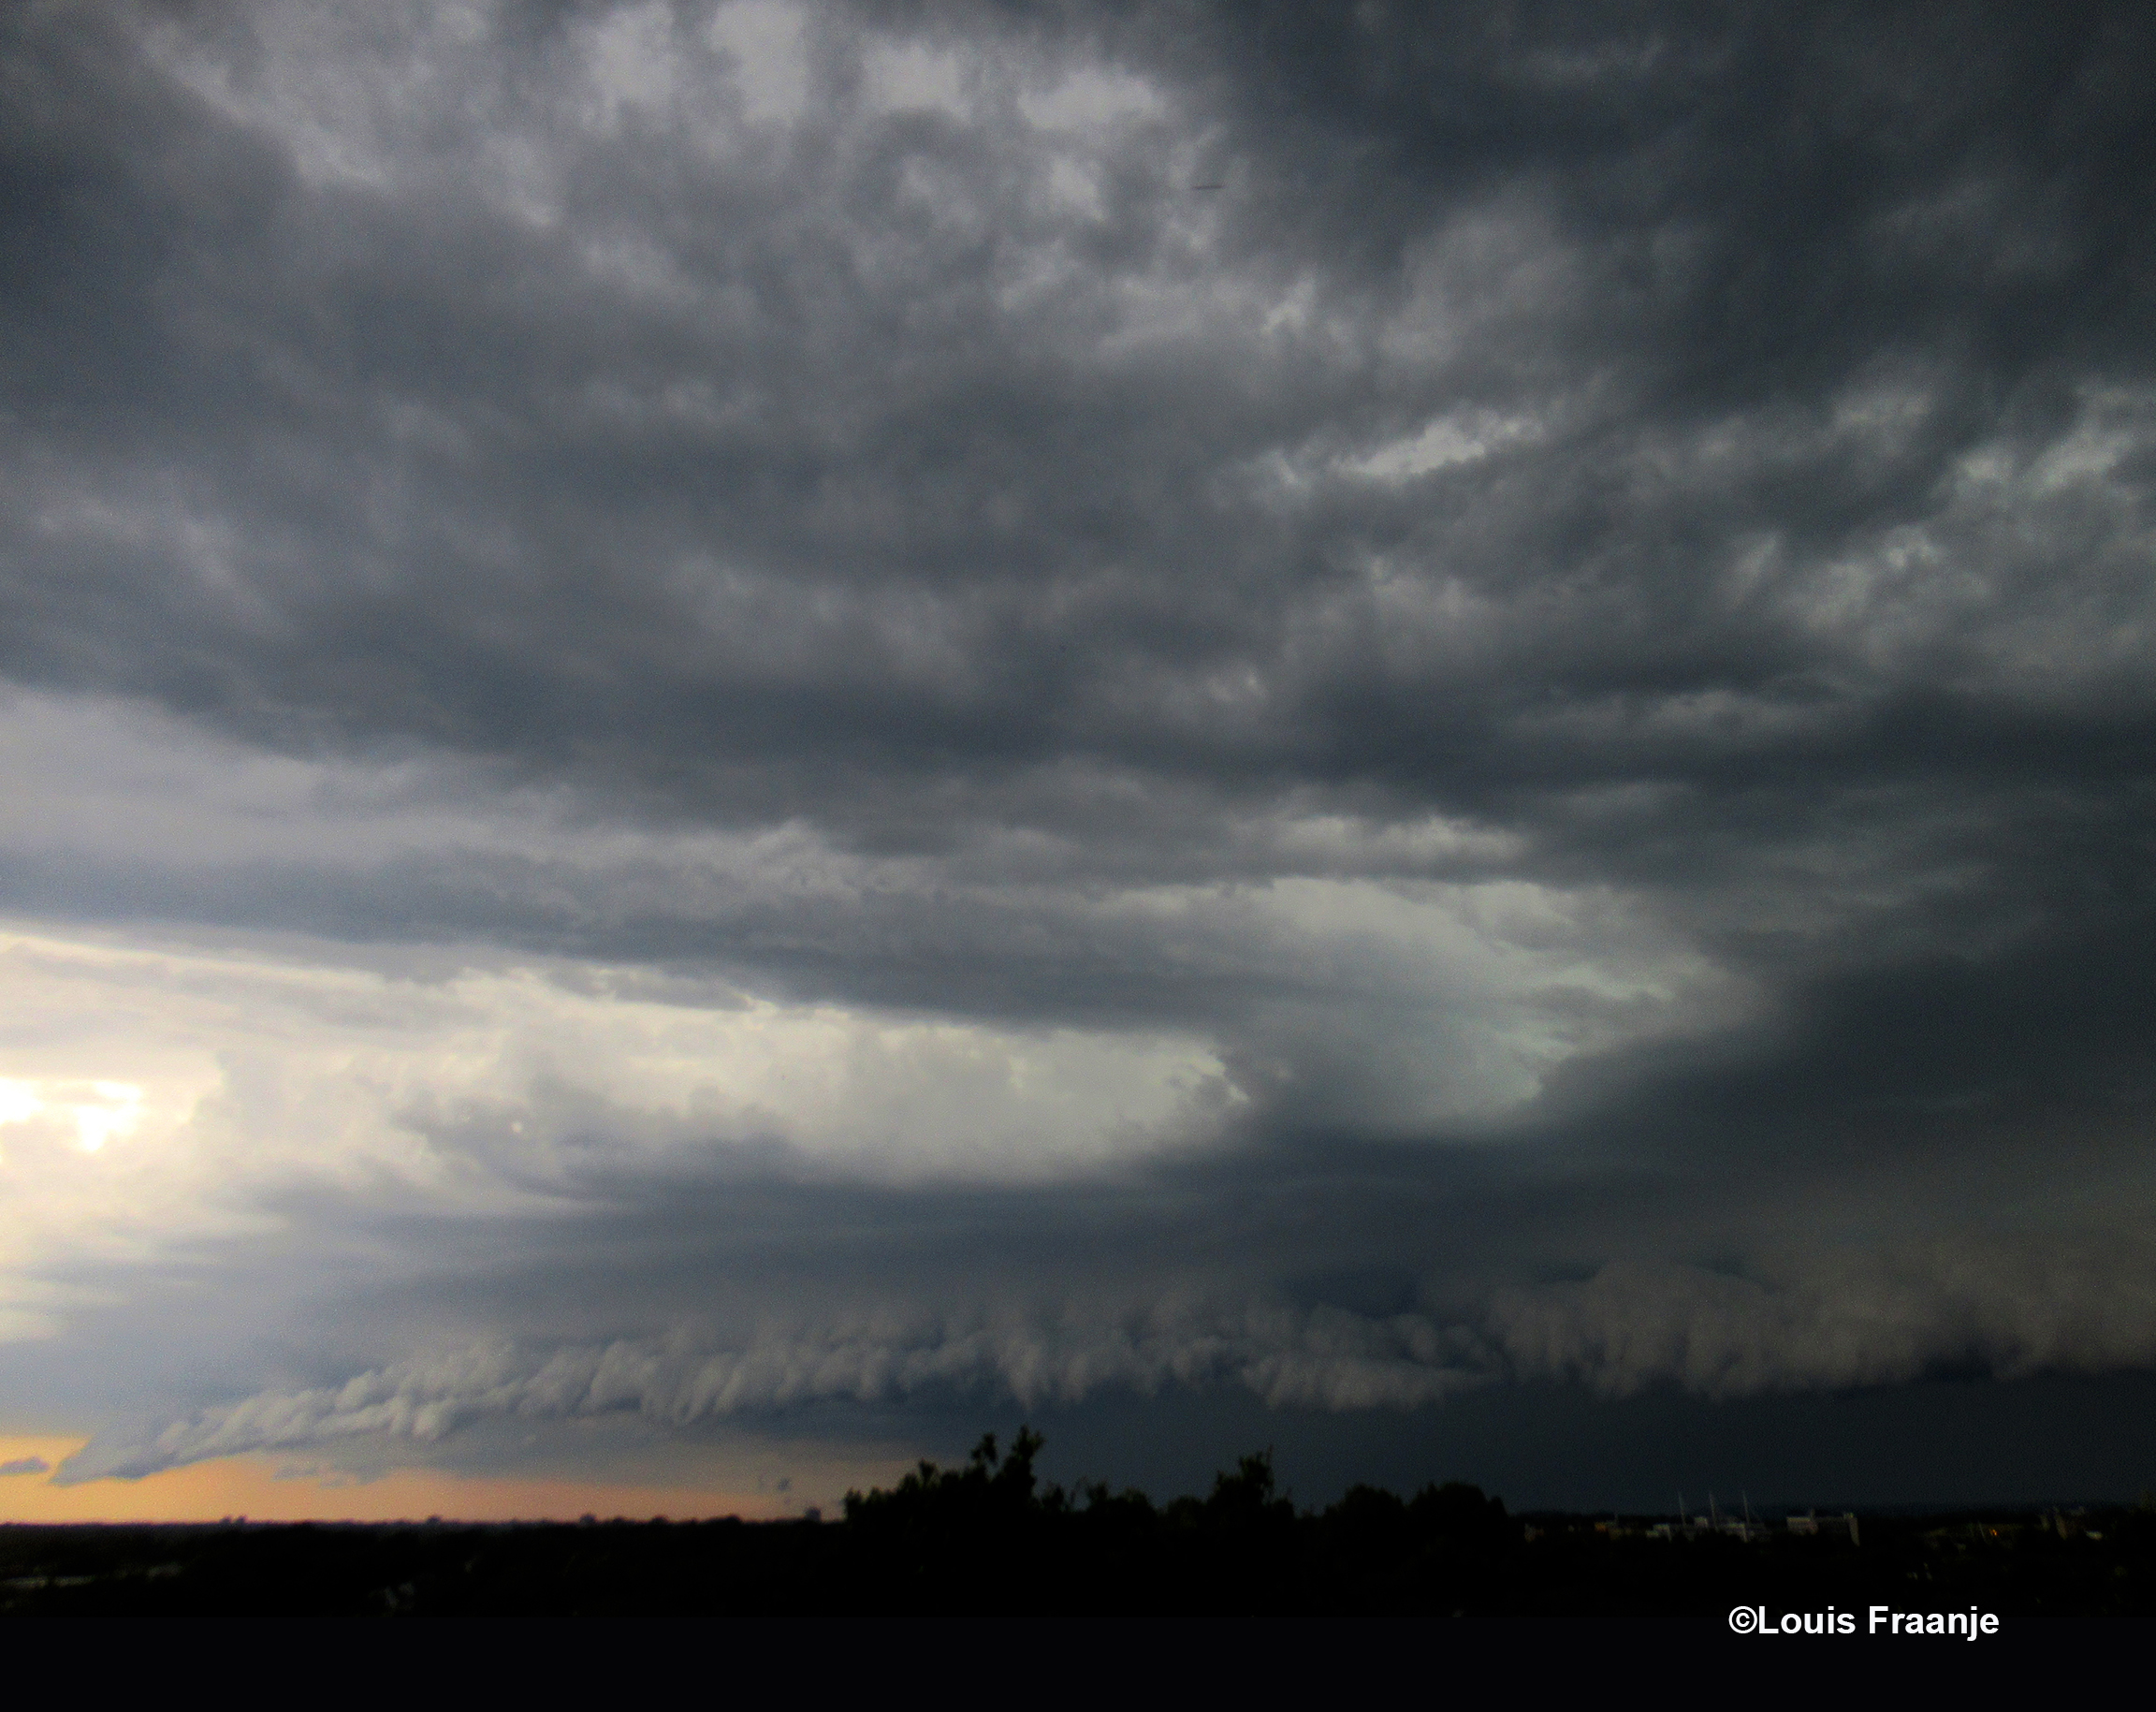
[[1553, 603]]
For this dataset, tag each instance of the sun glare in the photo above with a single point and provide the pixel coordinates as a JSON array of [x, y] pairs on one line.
[[116, 1111], [19, 1100], [98, 1111]]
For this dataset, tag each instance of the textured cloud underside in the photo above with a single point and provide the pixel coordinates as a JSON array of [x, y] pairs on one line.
[[724, 703], [1868, 1321]]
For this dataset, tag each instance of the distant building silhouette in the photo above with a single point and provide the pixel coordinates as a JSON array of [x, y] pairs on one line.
[[1812, 1522]]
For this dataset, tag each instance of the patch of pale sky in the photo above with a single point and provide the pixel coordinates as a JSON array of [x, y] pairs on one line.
[[1499, 264], [765, 41], [1090, 98], [916, 77]]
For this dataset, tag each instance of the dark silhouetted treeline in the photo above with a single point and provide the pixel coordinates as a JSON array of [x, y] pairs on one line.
[[990, 1539]]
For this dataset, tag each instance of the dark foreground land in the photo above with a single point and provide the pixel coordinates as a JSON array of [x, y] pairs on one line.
[[989, 1540]]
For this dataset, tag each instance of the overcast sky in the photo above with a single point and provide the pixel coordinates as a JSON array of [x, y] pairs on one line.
[[741, 738]]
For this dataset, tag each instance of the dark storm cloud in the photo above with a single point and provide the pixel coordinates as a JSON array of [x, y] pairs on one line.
[[822, 490], [1693, 464], [822, 513]]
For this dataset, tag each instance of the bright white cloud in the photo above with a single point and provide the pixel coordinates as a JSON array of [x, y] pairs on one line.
[[1458, 437], [218, 1076], [1456, 997]]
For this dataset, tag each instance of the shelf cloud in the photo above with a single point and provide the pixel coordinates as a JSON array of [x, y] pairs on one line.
[[841, 713]]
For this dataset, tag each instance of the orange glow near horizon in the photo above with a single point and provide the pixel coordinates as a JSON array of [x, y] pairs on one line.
[[250, 1486]]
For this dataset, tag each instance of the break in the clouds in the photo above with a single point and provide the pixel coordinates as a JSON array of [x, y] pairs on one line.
[[742, 713]]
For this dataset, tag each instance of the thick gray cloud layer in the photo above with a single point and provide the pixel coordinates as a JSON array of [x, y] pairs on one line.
[[1883, 1321], [1468, 699]]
